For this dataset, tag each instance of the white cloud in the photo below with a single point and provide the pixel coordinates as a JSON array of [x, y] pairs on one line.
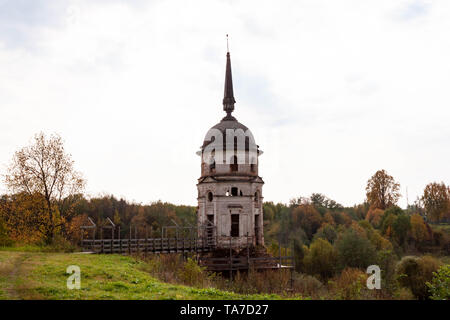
[[332, 91]]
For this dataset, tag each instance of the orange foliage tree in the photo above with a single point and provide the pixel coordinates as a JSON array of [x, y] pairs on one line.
[[308, 218], [44, 172], [374, 216], [436, 200], [419, 230], [382, 190]]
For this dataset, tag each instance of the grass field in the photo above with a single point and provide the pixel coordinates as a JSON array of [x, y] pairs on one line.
[[40, 275]]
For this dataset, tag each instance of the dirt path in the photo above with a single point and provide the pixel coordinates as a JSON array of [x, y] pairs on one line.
[[13, 276]]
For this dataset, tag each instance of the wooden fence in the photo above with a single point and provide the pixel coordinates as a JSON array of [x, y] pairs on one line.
[[148, 245]]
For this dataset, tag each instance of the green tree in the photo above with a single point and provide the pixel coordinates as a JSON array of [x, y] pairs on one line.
[[401, 228], [327, 232], [320, 259], [355, 251]]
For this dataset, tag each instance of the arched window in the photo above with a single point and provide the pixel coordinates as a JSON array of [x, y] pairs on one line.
[[234, 164], [256, 198], [234, 191], [210, 196]]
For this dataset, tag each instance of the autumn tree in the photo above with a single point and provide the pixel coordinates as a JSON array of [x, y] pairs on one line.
[[382, 190], [374, 216], [43, 170], [4, 236], [419, 231], [436, 200], [22, 214], [308, 218]]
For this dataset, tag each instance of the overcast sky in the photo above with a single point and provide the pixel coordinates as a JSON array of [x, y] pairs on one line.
[[332, 90]]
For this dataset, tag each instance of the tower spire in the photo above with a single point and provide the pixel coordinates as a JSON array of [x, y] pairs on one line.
[[228, 97]]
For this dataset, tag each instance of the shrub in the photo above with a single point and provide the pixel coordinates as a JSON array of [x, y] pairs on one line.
[[320, 259], [349, 284], [386, 260], [192, 274], [439, 287], [308, 285], [413, 273], [165, 267], [403, 294], [355, 251], [58, 244], [269, 281]]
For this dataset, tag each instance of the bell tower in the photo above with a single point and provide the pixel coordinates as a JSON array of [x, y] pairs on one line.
[[229, 188]]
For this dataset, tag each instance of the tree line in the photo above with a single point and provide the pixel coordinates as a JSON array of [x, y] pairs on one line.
[[336, 243]]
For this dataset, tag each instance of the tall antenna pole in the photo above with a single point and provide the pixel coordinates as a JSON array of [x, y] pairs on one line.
[[228, 50]]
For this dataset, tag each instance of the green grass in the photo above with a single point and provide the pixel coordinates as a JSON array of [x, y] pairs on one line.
[[38, 275]]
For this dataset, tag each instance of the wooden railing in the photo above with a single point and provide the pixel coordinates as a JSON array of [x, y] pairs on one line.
[[148, 245]]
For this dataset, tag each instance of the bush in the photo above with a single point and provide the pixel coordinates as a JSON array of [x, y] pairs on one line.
[[386, 260], [269, 281], [308, 285], [355, 251], [192, 274], [439, 287], [414, 272], [350, 284], [320, 259], [58, 244]]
